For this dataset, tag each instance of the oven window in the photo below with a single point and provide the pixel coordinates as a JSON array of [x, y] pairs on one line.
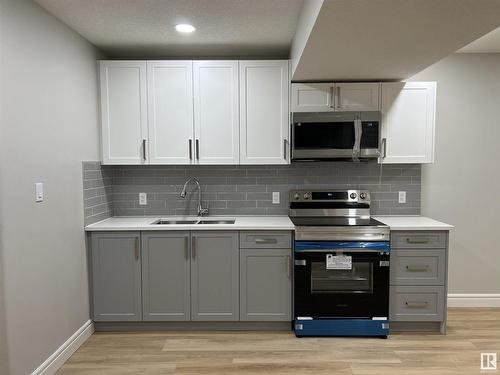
[[359, 279]]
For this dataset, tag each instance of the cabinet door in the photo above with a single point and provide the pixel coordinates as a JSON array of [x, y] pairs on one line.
[[123, 112], [214, 276], [264, 114], [408, 121], [357, 96], [216, 111], [312, 97], [265, 284], [116, 276], [170, 106], [166, 276]]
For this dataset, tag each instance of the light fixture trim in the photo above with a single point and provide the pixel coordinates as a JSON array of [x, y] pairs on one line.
[[185, 28]]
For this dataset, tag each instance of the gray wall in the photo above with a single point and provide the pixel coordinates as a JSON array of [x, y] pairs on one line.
[[97, 191], [49, 124], [247, 190], [461, 187]]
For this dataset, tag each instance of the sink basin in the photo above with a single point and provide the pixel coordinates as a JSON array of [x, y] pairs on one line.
[[167, 222], [215, 222]]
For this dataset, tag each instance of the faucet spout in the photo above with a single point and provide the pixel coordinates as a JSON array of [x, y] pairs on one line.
[[201, 211]]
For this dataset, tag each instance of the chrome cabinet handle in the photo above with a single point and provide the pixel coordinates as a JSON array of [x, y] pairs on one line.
[[419, 304], [193, 246], [144, 149], [198, 149], [190, 149], [136, 250], [332, 99], [288, 265], [284, 149], [266, 241], [384, 147], [186, 247], [416, 241], [337, 101], [417, 268]]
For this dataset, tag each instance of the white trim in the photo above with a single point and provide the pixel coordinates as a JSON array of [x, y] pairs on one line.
[[473, 300], [62, 354]]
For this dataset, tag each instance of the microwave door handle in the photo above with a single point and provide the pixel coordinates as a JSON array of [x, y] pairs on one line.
[[358, 130]]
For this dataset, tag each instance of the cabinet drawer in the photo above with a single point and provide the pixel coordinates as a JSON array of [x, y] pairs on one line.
[[264, 239], [418, 267], [416, 303], [418, 239]]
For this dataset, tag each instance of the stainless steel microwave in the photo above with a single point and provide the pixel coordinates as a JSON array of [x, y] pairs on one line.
[[335, 135]]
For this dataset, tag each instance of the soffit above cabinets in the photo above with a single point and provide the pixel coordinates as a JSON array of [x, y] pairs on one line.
[[384, 39], [145, 28]]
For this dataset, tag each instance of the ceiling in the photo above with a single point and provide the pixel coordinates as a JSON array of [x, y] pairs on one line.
[[489, 43], [145, 28], [389, 39]]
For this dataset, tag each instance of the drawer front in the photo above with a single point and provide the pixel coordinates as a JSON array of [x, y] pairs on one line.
[[418, 239], [264, 239], [418, 267], [416, 304]]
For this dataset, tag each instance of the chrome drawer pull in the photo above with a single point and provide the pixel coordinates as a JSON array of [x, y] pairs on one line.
[[416, 241], [422, 268], [266, 240], [416, 305]]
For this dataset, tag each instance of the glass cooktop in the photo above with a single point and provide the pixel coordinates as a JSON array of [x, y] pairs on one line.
[[334, 221]]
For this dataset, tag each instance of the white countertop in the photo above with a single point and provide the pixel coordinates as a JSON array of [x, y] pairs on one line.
[[412, 223], [250, 223], [145, 223]]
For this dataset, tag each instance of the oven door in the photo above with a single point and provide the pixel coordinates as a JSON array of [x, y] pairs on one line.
[[357, 288], [335, 135]]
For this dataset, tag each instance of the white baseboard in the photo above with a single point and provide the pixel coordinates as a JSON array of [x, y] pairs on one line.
[[473, 300], [61, 355]]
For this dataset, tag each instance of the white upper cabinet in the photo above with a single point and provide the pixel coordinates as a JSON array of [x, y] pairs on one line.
[[264, 112], [123, 112], [408, 122], [357, 96], [312, 97], [170, 108], [216, 112]]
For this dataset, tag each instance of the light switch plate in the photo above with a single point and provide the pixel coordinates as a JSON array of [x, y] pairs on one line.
[[276, 197], [402, 197], [38, 192], [143, 199]]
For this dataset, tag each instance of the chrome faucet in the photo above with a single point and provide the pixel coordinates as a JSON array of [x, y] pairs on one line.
[[201, 211]]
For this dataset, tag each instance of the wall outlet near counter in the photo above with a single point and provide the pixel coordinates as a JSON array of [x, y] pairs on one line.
[[143, 199], [39, 192], [402, 197], [276, 197]]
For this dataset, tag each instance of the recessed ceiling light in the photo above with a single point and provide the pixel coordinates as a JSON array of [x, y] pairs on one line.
[[185, 28]]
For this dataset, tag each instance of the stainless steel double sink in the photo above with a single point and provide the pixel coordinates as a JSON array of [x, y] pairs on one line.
[[198, 221]]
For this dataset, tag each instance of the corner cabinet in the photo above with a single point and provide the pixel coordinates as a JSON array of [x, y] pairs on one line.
[[408, 122], [123, 112], [264, 114]]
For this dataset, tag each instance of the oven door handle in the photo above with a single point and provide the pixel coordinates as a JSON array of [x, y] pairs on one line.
[[341, 250]]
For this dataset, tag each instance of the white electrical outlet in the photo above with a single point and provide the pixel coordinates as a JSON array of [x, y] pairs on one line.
[[402, 197], [39, 192], [143, 199], [276, 197]]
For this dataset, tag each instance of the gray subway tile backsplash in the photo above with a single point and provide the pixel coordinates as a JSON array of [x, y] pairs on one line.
[[241, 190]]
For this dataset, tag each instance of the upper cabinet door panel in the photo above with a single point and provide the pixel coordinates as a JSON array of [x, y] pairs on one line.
[[170, 107], [312, 97], [123, 111], [408, 121], [216, 112], [357, 96], [264, 112]]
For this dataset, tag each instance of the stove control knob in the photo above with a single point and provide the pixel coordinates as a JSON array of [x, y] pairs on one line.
[[353, 195], [307, 196], [362, 195], [296, 196]]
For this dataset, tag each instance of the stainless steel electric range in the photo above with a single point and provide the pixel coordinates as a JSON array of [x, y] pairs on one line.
[[341, 269]]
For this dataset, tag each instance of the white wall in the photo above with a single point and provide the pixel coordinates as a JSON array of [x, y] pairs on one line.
[[462, 187], [49, 124]]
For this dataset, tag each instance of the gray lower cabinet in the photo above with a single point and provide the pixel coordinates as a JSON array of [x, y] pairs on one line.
[[116, 276], [166, 276], [214, 276], [265, 284]]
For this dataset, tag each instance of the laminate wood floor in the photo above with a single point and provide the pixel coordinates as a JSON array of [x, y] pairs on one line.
[[470, 332]]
